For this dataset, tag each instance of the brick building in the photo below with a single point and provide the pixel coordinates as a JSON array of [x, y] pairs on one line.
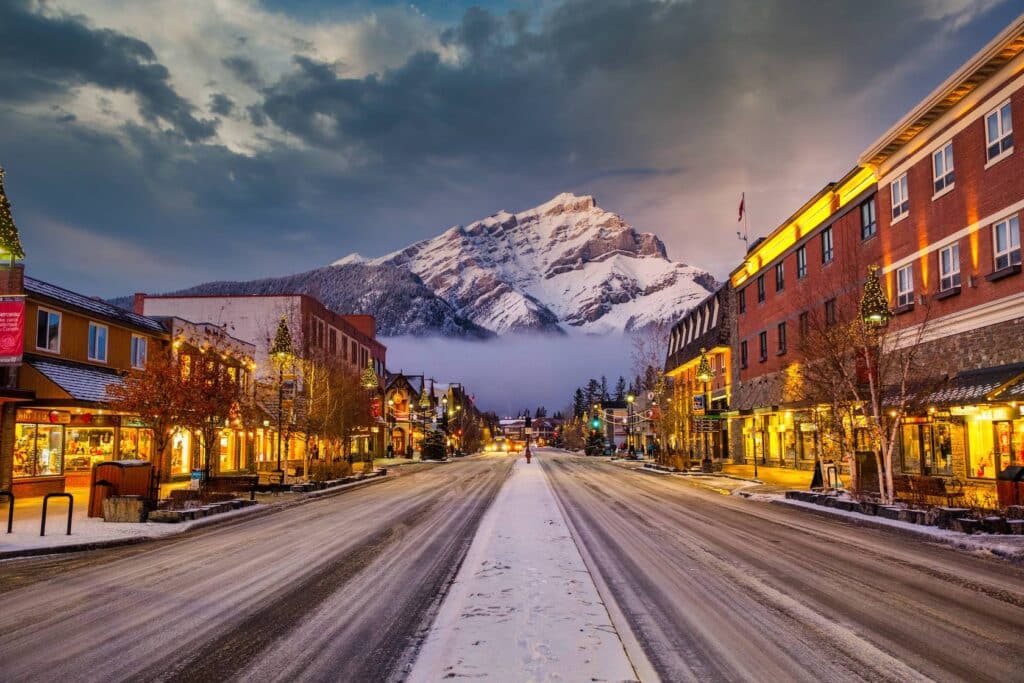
[[936, 203]]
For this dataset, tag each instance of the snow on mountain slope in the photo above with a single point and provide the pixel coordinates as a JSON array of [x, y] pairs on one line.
[[565, 263]]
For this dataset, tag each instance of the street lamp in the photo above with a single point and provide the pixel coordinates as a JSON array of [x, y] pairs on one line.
[[705, 375], [629, 422], [391, 426], [281, 350]]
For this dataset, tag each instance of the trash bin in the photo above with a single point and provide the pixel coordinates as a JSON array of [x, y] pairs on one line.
[[118, 478], [1010, 486]]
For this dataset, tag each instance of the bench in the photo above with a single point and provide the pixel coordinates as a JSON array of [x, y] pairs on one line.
[[235, 484], [919, 489]]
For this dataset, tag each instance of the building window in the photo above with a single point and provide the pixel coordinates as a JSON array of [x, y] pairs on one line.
[[942, 167], [743, 354], [780, 276], [805, 324], [741, 299], [1006, 242], [762, 342], [868, 219], [140, 347], [760, 288], [905, 286], [826, 245], [949, 267], [830, 312], [782, 337], [98, 342], [332, 340], [900, 197], [999, 132], [801, 262], [48, 330]]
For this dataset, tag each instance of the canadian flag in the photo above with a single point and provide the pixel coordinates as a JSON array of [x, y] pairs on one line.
[[743, 201]]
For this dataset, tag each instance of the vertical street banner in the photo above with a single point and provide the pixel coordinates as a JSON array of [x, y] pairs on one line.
[[12, 329]]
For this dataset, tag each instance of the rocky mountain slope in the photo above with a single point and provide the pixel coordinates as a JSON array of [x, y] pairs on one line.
[[564, 264]]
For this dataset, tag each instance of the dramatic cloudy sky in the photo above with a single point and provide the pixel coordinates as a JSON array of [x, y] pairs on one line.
[[150, 145]]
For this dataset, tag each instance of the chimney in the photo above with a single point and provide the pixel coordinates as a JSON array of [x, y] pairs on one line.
[[139, 303], [12, 279]]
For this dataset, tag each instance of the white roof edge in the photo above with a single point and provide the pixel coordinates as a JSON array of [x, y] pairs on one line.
[[986, 53]]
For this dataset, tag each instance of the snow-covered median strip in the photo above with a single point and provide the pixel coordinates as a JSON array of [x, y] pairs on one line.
[[523, 605]]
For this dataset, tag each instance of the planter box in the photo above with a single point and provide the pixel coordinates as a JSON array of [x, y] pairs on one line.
[[1015, 512], [1015, 527], [124, 509], [995, 525], [869, 508], [966, 525], [165, 516], [943, 517], [847, 505], [889, 512]]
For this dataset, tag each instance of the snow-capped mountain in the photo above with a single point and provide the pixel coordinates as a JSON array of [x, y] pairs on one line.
[[564, 264]]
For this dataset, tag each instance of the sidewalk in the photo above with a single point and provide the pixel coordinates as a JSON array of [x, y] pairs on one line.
[[523, 606], [89, 532], [777, 478]]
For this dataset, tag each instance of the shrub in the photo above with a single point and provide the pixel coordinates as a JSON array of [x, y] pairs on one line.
[[434, 446], [321, 470]]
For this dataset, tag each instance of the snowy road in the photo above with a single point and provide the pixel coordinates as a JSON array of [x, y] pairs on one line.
[[721, 588], [336, 589]]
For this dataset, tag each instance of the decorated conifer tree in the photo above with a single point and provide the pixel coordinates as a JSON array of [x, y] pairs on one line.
[[10, 241]]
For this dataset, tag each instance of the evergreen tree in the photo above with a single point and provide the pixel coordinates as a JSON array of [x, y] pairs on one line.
[[604, 388], [579, 404], [620, 389], [593, 393], [595, 443], [9, 239], [540, 412]]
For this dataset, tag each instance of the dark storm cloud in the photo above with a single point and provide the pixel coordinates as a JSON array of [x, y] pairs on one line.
[[41, 56], [221, 104], [635, 100], [244, 69]]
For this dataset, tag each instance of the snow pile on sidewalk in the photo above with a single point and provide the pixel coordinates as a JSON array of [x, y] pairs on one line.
[[523, 606]]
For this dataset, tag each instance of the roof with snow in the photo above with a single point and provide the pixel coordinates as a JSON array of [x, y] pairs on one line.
[[95, 306], [973, 386], [81, 382]]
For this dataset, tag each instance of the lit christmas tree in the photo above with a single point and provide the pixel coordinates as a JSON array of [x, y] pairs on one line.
[[874, 307], [370, 376], [282, 341], [10, 242]]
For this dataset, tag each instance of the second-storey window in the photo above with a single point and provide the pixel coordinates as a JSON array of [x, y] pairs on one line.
[[801, 262], [780, 277], [1006, 242], [942, 167], [804, 322], [826, 245], [782, 337], [905, 285], [830, 312], [998, 132], [900, 197], [868, 219], [760, 288], [762, 340], [48, 330], [98, 342], [140, 347], [743, 354], [741, 300], [949, 267]]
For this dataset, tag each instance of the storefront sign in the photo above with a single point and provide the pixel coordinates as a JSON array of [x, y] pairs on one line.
[[38, 416], [12, 329], [808, 427]]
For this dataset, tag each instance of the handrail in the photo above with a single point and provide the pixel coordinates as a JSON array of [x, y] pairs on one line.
[[10, 508], [46, 500]]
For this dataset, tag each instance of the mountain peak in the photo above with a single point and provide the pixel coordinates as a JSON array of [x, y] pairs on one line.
[[563, 203]]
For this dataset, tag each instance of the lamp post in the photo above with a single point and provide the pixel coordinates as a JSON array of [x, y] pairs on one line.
[[281, 350], [629, 422], [704, 375], [390, 436]]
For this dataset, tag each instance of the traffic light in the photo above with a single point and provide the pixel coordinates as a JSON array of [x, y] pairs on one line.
[[595, 423]]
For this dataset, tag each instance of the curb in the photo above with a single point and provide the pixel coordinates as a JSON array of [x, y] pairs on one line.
[[205, 523]]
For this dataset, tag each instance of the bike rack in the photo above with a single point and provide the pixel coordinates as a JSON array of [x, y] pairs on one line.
[[46, 500], [10, 508]]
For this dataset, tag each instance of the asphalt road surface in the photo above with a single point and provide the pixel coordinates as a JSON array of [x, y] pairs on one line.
[[337, 589], [720, 588]]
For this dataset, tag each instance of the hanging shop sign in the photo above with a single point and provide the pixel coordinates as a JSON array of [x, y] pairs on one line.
[[12, 329], [698, 404]]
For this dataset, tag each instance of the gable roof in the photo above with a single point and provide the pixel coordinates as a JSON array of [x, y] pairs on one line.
[[81, 382], [94, 306]]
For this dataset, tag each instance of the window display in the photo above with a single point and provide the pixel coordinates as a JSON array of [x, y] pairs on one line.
[[38, 450], [87, 446], [136, 444]]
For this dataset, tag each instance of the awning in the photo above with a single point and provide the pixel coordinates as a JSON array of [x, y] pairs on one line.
[[979, 386], [81, 382]]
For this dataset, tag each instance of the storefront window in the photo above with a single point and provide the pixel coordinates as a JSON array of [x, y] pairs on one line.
[[136, 444], [87, 446], [1003, 444], [38, 450], [981, 461], [180, 453]]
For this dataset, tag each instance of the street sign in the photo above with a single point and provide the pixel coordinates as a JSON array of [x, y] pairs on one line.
[[706, 424]]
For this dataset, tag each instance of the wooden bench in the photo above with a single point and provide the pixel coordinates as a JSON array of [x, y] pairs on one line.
[[919, 489], [237, 484]]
